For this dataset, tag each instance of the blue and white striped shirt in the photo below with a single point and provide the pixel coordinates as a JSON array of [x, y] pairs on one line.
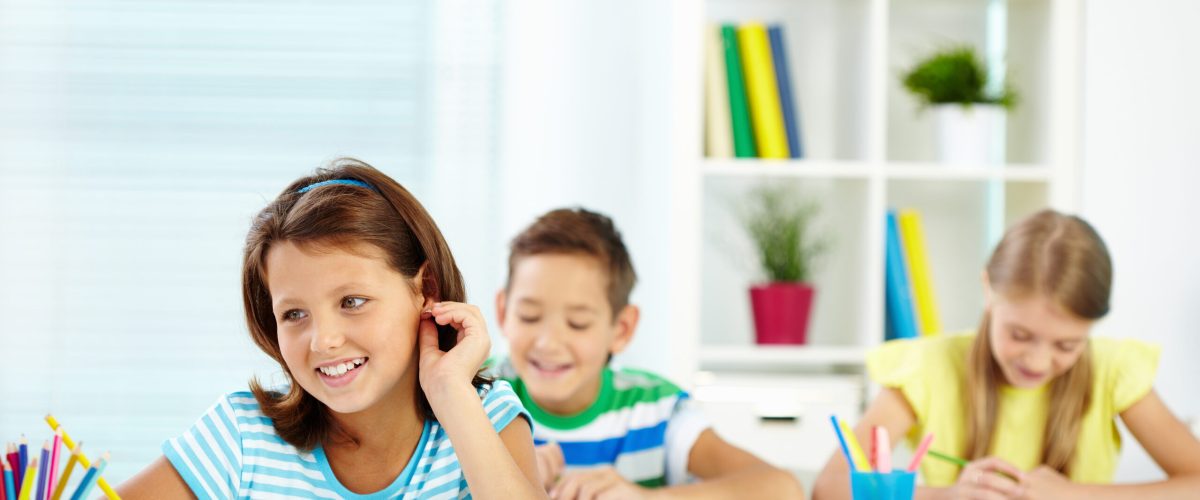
[[233, 451]]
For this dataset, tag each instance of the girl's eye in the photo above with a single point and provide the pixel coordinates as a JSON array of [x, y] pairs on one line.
[[293, 315], [1067, 347], [528, 319], [353, 302], [1020, 336]]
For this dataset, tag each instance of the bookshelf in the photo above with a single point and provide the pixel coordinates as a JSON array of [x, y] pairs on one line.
[[867, 149]]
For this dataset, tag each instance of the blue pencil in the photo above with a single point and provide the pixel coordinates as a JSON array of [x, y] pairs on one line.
[[842, 440], [23, 452], [10, 490], [89, 479], [43, 472]]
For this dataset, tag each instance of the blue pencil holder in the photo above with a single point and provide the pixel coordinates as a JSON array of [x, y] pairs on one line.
[[878, 486]]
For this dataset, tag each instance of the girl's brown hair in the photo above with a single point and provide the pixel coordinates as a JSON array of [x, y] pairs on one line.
[[1062, 258], [375, 210]]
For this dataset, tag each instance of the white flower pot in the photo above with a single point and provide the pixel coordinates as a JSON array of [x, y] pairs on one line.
[[969, 135]]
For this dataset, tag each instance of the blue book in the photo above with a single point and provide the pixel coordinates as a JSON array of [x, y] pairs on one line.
[[898, 294], [783, 80]]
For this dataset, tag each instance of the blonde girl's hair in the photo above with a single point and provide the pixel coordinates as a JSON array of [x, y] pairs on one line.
[[1060, 257], [346, 203]]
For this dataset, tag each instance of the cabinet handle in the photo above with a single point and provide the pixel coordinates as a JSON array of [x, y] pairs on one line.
[[779, 419]]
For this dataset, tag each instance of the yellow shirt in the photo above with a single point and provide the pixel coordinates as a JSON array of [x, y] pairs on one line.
[[931, 372]]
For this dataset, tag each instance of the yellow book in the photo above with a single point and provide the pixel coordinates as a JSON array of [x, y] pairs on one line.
[[912, 238], [718, 125], [766, 116]]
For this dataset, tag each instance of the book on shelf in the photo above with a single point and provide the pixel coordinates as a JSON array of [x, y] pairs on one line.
[[752, 112], [912, 238], [762, 92], [783, 80], [897, 292], [718, 126], [739, 109]]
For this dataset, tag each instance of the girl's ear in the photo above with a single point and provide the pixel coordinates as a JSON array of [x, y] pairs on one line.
[[427, 288]]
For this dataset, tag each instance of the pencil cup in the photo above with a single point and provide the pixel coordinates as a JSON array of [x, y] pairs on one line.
[[879, 486]]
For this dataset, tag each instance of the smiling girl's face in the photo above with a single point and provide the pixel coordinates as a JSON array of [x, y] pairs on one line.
[[1034, 339], [347, 323]]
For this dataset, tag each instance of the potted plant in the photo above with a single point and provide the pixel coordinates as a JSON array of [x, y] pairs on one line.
[[968, 117], [780, 224]]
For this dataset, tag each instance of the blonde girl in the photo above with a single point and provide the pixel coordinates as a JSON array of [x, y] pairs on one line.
[[1031, 394]]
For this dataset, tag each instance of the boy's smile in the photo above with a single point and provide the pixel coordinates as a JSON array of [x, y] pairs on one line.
[[561, 328]]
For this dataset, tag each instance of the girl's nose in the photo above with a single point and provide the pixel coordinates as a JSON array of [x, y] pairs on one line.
[[327, 336]]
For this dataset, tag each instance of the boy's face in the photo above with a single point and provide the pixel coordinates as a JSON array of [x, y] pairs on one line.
[[346, 324], [560, 328], [1033, 339]]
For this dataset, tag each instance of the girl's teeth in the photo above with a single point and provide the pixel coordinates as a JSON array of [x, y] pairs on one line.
[[339, 370]]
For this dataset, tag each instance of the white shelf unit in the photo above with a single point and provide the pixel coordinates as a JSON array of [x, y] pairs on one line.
[[868, 148]]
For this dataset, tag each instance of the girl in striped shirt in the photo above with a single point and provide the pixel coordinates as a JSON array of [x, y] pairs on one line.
[[348, 284]]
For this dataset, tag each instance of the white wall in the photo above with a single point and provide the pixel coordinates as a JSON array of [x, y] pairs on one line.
[[1140, 177], [585, 112]]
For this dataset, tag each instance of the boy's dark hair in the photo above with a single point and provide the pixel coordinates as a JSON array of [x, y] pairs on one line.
[[578, 231], [371, 208]]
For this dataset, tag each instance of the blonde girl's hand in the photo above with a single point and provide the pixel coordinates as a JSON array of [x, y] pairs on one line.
[[440, 370], [1044, 482], [550, 464], [985, 479]]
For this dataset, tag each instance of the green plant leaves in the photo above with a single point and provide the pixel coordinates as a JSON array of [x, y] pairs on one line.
[[780, 223], [955, 76]]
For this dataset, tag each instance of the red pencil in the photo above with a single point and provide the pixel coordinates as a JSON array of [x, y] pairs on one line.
[[921, 450]]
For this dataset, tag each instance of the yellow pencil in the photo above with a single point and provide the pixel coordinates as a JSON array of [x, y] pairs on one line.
[[27, 485], [860, 459], [66, 473], [83, 459]]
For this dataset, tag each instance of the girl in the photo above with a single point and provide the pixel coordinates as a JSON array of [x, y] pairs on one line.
[[1029, 395], [345, 279]]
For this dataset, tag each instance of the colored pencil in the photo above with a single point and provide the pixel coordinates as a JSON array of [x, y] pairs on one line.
[[920, 454], [842, 440], [83, 459], [90, 479], [51, 477], [23, 452], [14, 463], [43, 471], [6, 487], [883, 450], [10, 489], [963, 463], [66, 474], [856, 451], [27, 486]]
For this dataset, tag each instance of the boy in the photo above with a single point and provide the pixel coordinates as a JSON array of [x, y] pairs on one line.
[[602, 432]]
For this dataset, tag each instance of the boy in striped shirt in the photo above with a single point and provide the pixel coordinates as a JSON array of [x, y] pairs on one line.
[[603, 432]]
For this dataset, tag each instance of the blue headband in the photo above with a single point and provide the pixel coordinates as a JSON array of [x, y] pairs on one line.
[[345, 182]]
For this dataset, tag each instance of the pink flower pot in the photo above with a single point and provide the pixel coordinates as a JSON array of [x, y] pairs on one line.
[[781, 312]]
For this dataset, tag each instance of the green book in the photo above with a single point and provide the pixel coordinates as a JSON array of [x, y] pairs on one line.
[[739, 110]]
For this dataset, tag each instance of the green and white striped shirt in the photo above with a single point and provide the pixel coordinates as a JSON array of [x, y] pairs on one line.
[[641, 424]]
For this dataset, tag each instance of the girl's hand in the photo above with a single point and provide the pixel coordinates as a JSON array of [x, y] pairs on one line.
[[441, 370], [982, 480], [1044, 482]]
